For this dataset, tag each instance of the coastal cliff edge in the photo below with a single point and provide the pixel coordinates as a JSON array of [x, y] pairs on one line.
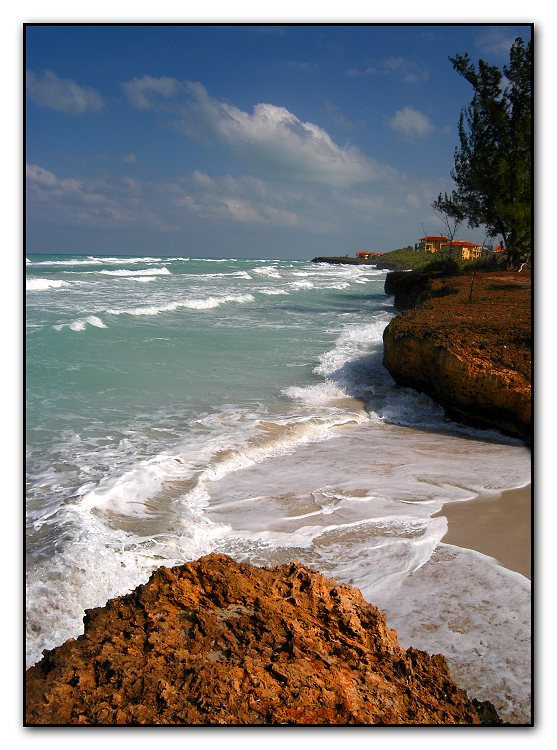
[[465, 340]]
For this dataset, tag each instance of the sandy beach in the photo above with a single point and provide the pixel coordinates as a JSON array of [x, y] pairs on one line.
[[498, 526]]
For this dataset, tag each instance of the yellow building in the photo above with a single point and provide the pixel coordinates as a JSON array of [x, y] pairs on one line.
[[431, 244], [435, 244], [468, 250]]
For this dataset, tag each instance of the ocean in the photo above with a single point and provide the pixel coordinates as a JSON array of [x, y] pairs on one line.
[[181, 406]]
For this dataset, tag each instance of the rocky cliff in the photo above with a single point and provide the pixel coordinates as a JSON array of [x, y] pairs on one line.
[[217, 642], [466, 342]]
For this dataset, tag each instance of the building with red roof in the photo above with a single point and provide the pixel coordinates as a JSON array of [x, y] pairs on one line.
[[437, 243], [431, 243]]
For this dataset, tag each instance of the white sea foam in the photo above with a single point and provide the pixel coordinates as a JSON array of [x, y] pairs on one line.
[[95, 260], [267, 271], [273, 292], [485, 638], [315, 395], [131, 493], [235, 274], [208, 303], [41, 285], [346, 368], [354, 341], [339, 285], [81, 324], [141, 272]]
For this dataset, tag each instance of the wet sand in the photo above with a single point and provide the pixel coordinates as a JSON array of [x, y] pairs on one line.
[[496, 526]]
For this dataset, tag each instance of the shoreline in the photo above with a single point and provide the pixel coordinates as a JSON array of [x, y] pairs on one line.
[[495, 525]]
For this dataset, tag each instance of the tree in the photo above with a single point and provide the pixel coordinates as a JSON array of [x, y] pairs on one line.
[[450, 215], [493, 166]]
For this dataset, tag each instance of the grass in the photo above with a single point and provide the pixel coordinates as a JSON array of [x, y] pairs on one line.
[[408, 258]]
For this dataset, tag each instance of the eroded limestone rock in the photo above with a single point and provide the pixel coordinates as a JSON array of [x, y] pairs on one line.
[[217, 642]]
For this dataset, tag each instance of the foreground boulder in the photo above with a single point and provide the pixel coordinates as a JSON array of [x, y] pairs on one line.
[[466, 342], [217, 642]]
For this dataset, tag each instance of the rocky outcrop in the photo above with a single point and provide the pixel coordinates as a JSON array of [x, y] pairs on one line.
[[217, 642], [467, 344], [413, 289]]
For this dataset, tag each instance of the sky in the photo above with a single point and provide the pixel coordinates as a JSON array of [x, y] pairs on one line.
[[269, 141]]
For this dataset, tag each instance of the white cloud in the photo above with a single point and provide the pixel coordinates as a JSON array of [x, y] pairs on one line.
[[146, 92], [242, 199], [410, 124], [63, 95], [41, 179], [275, 140]]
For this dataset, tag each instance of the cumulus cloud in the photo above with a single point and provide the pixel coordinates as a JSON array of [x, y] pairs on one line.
[[410, 124], [275, 139], [62, 94], [146, 92], [270, 138]]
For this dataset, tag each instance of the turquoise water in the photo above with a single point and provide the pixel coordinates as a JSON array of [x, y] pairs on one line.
[[178, 406]]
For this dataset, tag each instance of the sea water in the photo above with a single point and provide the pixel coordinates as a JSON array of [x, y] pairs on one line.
[[181, 406]]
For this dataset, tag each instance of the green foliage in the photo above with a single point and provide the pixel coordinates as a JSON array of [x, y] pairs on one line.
[[406, 257], [445, 263], [493, 166], [492, 262]]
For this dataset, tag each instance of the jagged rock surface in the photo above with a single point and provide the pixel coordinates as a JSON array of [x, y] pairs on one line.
[[467, 344], [217, 642]]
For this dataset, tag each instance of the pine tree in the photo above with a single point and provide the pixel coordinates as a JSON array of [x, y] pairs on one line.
[[493, 166]]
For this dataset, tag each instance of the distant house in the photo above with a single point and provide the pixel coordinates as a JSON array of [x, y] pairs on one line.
[[468, 250], [367, 255], [435, 244], [431, 244]]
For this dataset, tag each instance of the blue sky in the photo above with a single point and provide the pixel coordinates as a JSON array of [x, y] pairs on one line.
[[244, 141]]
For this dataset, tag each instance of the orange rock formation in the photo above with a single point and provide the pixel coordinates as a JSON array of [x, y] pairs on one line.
[[217, 642], [466, 343]]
